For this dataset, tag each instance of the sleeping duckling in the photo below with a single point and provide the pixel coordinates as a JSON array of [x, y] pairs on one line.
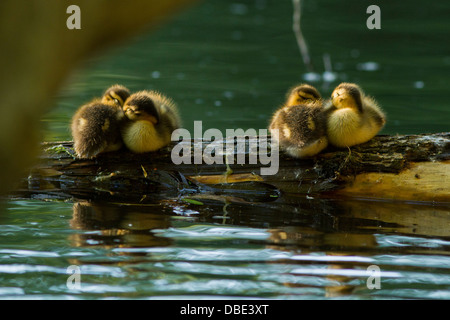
[[353, 118], [301, 94], [116, 94], [301, 123], [96, 125], [150, 120]]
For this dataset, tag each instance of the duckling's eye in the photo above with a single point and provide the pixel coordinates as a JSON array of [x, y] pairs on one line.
[[304, 97], [117, 101]]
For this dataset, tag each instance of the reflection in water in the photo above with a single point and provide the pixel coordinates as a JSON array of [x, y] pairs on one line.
[[308, 247], [334, 274], [118, 226]]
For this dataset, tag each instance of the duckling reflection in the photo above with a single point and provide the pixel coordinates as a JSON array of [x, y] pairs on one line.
[[117, 226], [96, 125], [301, 123], [340, 268], [337, 249], [328, 251], [354, 118]]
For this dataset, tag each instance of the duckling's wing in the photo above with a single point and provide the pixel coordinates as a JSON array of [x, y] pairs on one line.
[[306, 124], [95, 127], [167, 109], [374, 111]]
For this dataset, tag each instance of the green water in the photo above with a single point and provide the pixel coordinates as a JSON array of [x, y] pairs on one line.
[[293, 251], [229, 64]]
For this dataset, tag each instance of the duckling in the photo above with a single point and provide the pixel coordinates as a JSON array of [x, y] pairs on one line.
[[150, 120], [301, 123], [96, 125], [301, 94], [353, 117], [116, 94]]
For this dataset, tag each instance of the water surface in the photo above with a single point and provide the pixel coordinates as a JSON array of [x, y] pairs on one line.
[[225, 251]]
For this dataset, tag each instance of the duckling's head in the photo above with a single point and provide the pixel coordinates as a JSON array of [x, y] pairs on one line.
[[141, 107], [347, 95], [302, 94], [116, 94]]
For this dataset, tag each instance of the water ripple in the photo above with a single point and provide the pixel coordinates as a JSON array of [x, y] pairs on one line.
[[209, 232]]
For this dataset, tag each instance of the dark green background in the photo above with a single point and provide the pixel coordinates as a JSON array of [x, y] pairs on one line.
[[230, 64]]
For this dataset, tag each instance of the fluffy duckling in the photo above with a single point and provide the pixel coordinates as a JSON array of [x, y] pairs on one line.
[[96, 125], [353, 118], [150, 120], [301, 123], [302, 94], [116, 94]]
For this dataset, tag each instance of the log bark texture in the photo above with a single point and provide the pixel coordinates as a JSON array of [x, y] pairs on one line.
[[402, 167]]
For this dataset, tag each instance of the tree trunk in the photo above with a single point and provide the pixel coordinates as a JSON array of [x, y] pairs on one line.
[[402, 167]]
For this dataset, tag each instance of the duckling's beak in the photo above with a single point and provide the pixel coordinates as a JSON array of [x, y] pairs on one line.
[[336, 99], [337, 93], [131, 113]]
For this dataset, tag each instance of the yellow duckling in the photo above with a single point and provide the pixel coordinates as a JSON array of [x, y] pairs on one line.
[[301, 123], [96, 125], [353, 118], [150, 120]]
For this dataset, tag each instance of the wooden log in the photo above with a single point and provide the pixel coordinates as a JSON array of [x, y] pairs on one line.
[[413, 168]]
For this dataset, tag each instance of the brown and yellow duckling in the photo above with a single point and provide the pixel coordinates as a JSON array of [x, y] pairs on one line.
[[96, 125], [301, 123], [116, 94], [353, 117], [150, 120], [302, 94]]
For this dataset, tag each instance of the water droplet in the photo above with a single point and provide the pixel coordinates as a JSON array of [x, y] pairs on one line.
[[419, 84], [329, 76], [311, 76], [368, 66], [228, 94]]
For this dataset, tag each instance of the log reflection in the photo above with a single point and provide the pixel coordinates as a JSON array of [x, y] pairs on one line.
[[112, 226]]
